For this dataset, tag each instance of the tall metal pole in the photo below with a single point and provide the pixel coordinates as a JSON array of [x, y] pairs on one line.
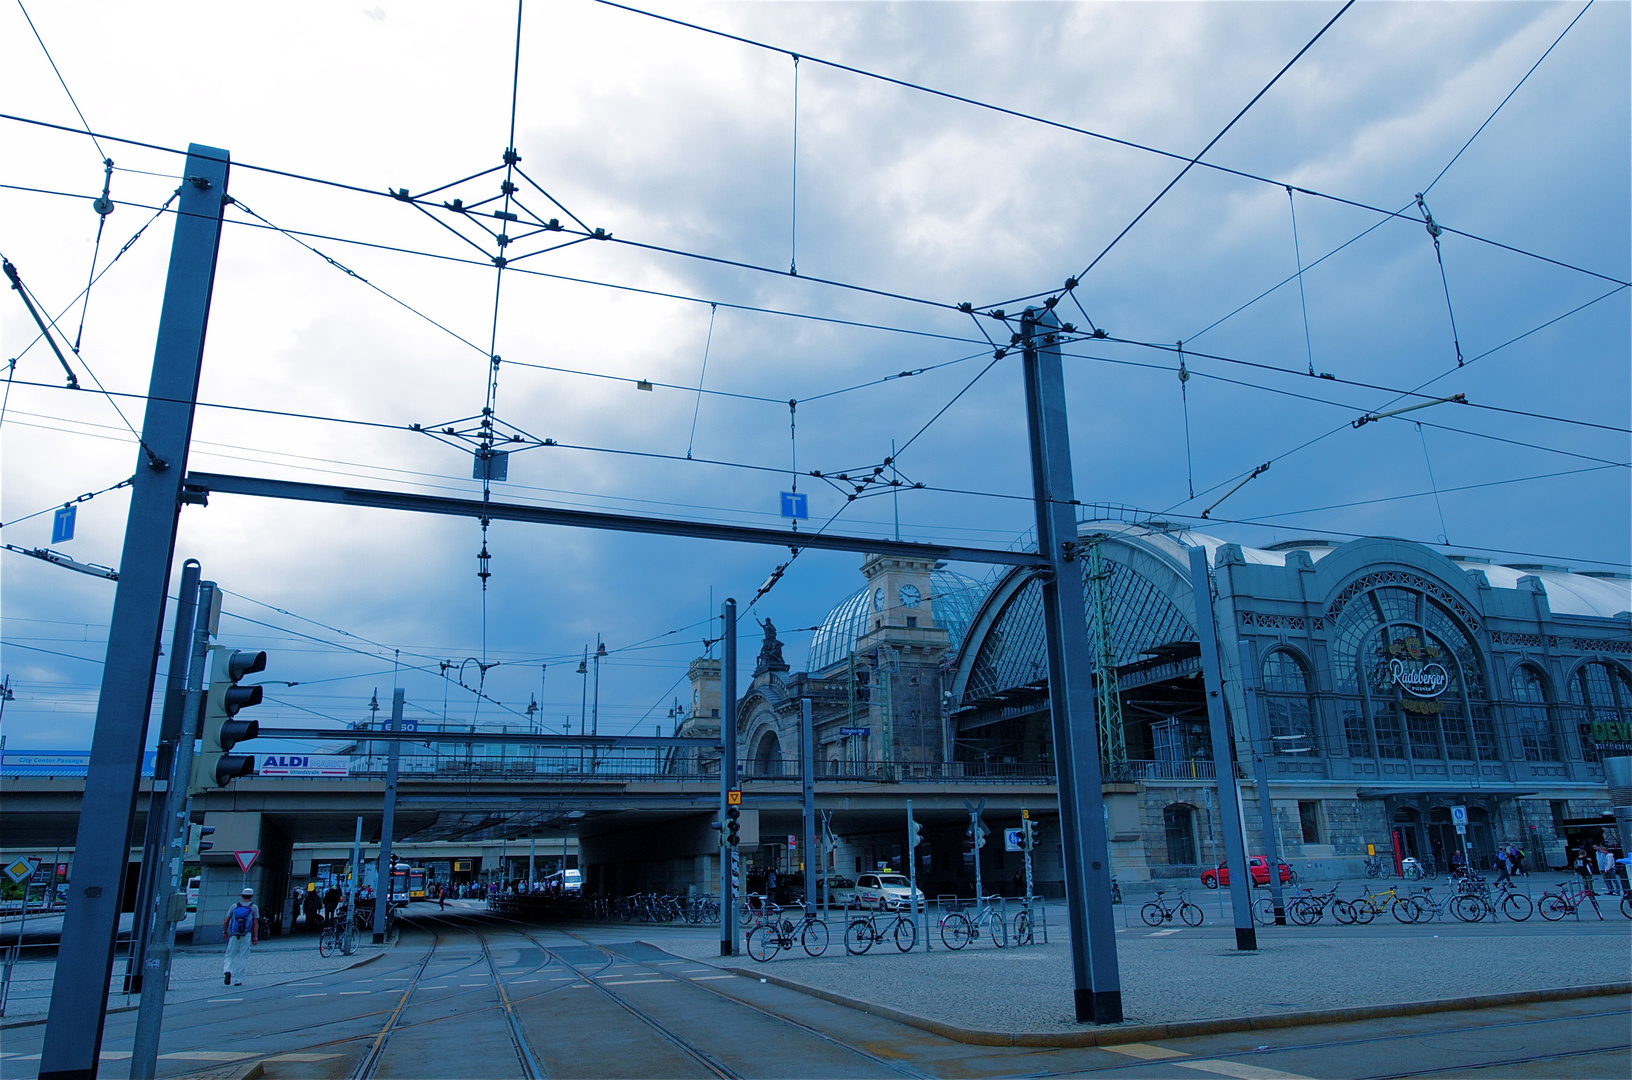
[[388, 820], [1229, 802], [807, 778], [175, 700], [1086, 850], [356, 879], [161, 946], [730, 860], [79, 993], [1260, 774]]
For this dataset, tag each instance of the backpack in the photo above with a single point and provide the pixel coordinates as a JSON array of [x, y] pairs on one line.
[[241, 920]]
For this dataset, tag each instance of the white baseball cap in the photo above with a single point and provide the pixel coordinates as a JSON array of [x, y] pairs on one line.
[[247, 892]]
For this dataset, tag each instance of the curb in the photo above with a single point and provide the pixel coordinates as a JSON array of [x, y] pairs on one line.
[[1179, 1029], [7, 1025]]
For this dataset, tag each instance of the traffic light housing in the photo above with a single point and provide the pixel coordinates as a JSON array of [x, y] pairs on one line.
[[915, 833], [733, 826], [980, 832], [215, 766], [1028, 835], [196, 842]]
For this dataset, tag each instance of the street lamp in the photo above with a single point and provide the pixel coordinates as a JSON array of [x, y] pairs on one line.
[[595, 713]]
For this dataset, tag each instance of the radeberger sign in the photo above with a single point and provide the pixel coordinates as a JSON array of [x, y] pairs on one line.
[[1414, 668]]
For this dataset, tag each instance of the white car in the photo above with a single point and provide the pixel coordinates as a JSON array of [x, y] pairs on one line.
[[888, 892]]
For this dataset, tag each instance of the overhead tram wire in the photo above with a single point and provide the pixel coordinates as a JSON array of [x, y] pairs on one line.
[[1401, 211], [1214, 141], [58, 73]]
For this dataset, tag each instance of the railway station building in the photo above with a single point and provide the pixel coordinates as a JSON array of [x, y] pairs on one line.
[[1377, 683]]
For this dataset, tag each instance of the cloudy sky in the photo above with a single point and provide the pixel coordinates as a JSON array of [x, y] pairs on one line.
[[681, 144]]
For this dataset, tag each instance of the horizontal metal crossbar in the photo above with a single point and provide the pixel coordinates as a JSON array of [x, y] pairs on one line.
[[219, 483], [513, 738]]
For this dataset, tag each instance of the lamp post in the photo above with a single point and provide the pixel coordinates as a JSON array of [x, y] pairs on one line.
[[595, 712], [583, 705]]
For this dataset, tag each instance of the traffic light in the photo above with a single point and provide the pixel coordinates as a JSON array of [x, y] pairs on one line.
[[981, 832], [733, 826], [1028, 835], [915, 833], [196, 844], [214, 766]]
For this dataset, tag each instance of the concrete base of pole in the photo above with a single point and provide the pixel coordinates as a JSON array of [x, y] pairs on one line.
[[1104, 1007], [1246, 939], [379, 939], [725, 948]]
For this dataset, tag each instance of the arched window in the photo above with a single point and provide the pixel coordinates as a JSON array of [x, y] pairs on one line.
[[1602, 697], [1536, 729], [768, 755], [1289, 711], [1179, 820], [1411, 677]]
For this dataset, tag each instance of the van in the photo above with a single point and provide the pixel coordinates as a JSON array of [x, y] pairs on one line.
[[192, 893]]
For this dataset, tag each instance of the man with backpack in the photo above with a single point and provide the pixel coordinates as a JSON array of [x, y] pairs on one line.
[[243, 929]]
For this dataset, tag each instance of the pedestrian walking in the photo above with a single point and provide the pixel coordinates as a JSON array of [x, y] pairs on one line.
[[442, 898], [313, 908], [243, 929], [1586, 865]]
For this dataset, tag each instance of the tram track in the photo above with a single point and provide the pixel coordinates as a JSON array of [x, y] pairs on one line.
[[709, 1061]]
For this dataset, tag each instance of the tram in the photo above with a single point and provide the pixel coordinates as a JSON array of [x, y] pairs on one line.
[[407, 883]]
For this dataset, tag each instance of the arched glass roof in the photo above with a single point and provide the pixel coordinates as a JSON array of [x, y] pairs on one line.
[[955, 599]]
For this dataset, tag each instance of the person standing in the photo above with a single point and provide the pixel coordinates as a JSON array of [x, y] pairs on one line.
[[243, 929], [1606, 867]]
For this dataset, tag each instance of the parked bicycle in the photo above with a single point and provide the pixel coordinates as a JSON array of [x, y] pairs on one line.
[[1569, 900], [1363, 909], [868, 930], [1374, 867], [958, 929], [1307, 909], [766, 938], [1024, 923], [1159, 910], [339, 934]]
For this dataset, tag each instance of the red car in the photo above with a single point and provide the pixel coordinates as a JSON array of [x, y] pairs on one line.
[[1258, 867]]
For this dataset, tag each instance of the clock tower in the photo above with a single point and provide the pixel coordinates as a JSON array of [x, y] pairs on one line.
[[904, 648]]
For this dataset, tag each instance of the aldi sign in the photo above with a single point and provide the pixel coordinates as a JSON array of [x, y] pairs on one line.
[[302, 765]]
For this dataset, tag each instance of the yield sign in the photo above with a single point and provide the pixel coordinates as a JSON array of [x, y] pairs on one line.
[[246, 859]]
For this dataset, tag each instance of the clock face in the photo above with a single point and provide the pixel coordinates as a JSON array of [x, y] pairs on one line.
[[878, 599], [910, 596]]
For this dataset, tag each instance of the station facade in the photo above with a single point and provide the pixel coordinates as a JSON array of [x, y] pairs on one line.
[[1378, 684]]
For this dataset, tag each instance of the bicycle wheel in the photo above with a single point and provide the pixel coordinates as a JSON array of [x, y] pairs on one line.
[[955, 930], [1291, 877], [1626, 905], [1022, 928], [1263, 911], [906, 934], [1405, 909], [858, 937], [1553, 907], [1517, 906], [1344, 912], [1152, 913], [1363, 911], [1302, 912], [1468, 908], [763, 942], [1191, 914], [814, 937], [326, 944]]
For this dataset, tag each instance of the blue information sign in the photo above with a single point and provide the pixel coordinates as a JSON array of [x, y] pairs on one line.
[[62, 525], [794, 505], [855, 732]]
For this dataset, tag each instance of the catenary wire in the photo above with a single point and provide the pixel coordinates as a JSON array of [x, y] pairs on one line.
[[58, 73], [1215, 139]]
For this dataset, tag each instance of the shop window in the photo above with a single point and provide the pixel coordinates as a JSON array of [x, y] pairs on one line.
[[1179, 820], [1309, 818], [1535, 725]]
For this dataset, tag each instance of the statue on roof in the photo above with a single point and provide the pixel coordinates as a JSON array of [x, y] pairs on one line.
[[770, 652]]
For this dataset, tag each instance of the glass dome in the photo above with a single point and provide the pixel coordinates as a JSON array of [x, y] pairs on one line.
[[954, 597]]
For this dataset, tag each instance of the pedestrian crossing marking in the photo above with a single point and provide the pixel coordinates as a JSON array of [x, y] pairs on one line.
[[343, 993], [1145, 1051], [638, 982], [311, 995], [706, 978]]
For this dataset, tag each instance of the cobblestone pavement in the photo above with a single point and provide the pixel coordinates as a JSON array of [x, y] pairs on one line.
[[195, 973], [1185, 974]]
